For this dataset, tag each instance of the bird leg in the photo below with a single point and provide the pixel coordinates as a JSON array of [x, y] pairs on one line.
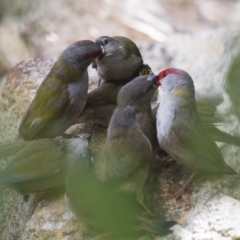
[[99, 82], [163, 161], [144, 205], [185, 186]]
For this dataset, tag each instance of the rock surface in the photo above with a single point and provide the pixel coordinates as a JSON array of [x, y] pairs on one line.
[[221, 215], [208, 57]]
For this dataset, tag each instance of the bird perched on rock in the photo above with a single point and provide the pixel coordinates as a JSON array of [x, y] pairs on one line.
[[41, 165], [127, 153], [120, 62], [180, 130], [131, 137], [62, 95], [102, 206]]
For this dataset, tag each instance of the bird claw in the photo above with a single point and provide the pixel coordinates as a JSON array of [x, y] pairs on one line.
[[163, 161], [185, 186], [99, 82], [180, 191], [149, 212]]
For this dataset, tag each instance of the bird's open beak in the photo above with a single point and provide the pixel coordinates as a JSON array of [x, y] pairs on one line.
[[103, 51]]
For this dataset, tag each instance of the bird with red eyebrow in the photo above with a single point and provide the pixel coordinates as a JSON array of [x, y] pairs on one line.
[[180, 130], [62, 95], [101, 102]]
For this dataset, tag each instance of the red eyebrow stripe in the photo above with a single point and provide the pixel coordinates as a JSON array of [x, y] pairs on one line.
[[95, 54], [169, 71]]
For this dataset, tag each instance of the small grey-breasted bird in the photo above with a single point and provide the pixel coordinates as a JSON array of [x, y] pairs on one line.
[[127, 153], [129, 148], [120, 62], [139, 93], [41, 165], [180, 130], [102, 206], [62, 95]]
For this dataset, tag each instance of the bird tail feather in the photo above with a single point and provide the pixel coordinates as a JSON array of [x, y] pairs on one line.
[[158, 226]]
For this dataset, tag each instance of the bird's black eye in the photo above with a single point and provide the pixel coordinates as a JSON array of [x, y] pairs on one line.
[[105, 41], [165, 73]]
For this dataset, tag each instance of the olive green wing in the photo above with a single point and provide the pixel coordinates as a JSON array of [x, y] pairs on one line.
[[50, 102]]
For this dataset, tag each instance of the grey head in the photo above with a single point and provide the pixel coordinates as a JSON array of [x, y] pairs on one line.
[[137, 92], [178, 93], [80, 54], [122, 119], [176, 79]]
